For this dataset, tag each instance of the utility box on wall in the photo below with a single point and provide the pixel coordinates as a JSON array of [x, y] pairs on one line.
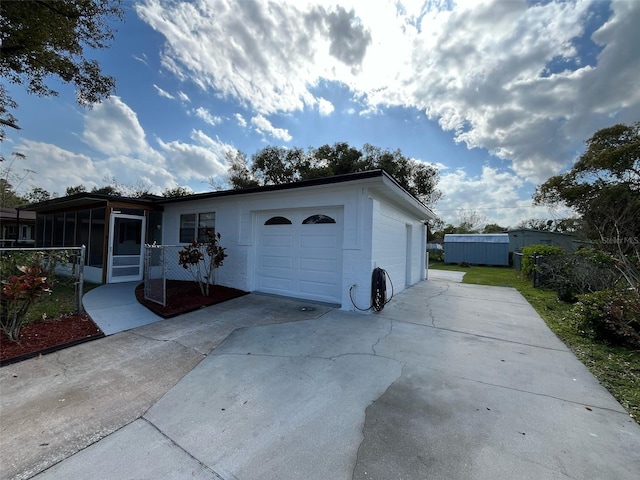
[[477, 249]]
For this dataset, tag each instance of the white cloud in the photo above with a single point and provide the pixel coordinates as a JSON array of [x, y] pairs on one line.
[[163, 93], [202, 160], [325, 107], [263, 126], [183, 96], [112, 128], [56, 168], [241, 121], [263, 54], [205, 115], [133, 170], [478, 68], [494, 194], [141, 59]]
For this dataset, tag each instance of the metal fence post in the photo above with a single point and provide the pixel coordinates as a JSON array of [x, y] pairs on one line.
[[164, 276], [83, 252]]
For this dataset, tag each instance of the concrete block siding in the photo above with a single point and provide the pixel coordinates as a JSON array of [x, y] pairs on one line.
[[374, 233]]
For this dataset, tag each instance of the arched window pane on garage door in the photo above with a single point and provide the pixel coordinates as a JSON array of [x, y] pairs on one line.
[[278, 221], [318, 219]]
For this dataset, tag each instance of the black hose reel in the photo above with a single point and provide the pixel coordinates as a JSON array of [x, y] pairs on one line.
[[378, 291]]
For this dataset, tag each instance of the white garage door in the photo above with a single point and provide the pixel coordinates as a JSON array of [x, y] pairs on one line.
[[299, 254]]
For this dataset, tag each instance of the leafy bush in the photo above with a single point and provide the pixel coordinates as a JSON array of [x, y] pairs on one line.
[[202, 267], [610, 316], [12, 261], [570, 274], [19, 293], [436, 256], [528, 254], [26, 276]]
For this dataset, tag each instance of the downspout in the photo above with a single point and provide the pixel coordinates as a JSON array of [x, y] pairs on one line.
[[425, 255]]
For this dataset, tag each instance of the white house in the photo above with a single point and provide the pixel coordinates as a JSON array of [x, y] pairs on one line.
[[313, 239]]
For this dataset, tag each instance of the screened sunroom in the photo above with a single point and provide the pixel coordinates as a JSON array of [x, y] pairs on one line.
[[113, 229]]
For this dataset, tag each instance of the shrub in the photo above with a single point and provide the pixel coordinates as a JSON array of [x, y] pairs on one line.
[[528, 254], [18, 293], [436, 256], [200, 266], [610, 316], [570, 274]]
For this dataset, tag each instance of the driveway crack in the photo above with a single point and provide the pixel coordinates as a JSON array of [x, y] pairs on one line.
[[489, 337], [430, 310], [204, 466], [312, 357], [170, 340], [529, 392], [373, 347]]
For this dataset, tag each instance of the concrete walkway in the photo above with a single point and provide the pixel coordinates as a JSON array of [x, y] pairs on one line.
[[114, 308], [450, 381]]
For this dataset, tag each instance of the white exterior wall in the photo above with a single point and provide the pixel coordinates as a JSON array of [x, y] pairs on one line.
[[399, 242], [236, 221], [92, 274]]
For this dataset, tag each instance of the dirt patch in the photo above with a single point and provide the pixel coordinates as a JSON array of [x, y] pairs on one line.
[[185, 296], [47, 336]]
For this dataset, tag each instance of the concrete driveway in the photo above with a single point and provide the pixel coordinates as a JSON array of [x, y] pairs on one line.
[[449, 381]]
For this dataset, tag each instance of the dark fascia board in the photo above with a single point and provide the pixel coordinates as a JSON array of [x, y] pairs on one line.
[[417, 205], [386, 179], [89, 199], [79, 200], [347, 177], [11, 214]]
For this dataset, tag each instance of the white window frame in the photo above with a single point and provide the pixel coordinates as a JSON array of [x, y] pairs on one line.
[[196, 224]]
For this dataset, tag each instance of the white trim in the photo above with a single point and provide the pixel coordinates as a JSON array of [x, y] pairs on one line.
[[296, 230], [110, 267]]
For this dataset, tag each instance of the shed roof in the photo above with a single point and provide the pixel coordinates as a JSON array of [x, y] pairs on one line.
[[476, 238]]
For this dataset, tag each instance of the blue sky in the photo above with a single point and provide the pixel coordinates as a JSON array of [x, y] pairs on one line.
[[499, 95]]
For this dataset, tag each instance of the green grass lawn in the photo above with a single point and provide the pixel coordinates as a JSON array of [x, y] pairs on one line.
[[617, 368], [61, 301]]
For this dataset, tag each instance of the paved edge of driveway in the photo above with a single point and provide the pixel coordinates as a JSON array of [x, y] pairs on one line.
[[58, 404]]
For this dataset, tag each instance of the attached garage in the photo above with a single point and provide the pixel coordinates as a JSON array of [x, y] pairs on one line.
[[299, 254], [317, 239]]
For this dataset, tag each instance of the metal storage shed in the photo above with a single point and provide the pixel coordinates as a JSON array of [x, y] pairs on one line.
[[477, 249]]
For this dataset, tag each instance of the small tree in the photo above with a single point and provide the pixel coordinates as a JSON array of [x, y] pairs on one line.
[[18, 293], [603, 186], [45, 39], [202, 265]]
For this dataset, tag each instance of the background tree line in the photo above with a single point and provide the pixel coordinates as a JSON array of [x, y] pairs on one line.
[[269, 166], [277, 165]]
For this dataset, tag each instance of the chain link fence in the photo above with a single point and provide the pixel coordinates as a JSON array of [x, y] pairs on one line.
[[163, 273], [64, 269]]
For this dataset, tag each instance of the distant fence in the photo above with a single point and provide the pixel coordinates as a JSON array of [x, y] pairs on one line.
[[63, 266], [162, 269], [516, 260]]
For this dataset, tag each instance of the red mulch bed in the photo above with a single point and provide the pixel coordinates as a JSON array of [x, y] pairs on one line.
[[184, 296], [48, 336]]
